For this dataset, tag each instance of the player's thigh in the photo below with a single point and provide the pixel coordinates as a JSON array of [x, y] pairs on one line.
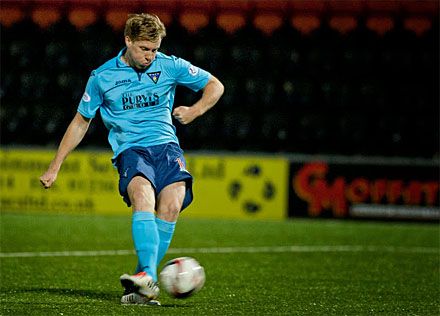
[[141, 194], [170, 200]]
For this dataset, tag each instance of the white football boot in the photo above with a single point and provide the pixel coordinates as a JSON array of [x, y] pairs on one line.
[[137, 299], [143, 287]]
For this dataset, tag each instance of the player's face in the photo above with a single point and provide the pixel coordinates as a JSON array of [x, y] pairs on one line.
[[140, 54]]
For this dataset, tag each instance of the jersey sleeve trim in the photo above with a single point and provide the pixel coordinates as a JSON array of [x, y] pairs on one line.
[[87, 115]]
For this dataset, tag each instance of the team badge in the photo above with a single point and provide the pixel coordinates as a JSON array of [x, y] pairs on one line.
[[86, 97], [154, 76], [193, 70]]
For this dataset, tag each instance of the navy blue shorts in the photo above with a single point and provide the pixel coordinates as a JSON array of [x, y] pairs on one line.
[[161, 165]]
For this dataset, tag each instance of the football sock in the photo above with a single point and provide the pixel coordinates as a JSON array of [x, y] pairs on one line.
[[146, 242], [166, 231]]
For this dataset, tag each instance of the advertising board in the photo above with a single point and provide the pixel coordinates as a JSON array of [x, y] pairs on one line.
[[225, 186], [322, 189], [239, 187]]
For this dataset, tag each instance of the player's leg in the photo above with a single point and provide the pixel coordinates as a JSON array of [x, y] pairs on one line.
[[137, 187], [174, 188], [144, 228], [142, 288], [170, 200], [169, 204]]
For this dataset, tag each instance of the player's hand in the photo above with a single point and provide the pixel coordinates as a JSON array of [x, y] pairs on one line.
[[48, 178], [185, 114]]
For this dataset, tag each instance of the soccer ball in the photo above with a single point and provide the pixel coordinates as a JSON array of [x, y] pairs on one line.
[[182, 277]]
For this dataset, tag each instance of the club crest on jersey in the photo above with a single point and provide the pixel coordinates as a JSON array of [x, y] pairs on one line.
[[154, 76], [86, 97], [193, 70]]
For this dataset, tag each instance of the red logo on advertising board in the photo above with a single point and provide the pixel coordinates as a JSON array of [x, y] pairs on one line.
[[311, 185]]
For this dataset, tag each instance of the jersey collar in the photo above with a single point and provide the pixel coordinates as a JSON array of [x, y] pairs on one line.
[[119, 62]]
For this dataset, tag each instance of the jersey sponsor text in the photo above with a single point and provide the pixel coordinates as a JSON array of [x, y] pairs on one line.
[[130, 101]]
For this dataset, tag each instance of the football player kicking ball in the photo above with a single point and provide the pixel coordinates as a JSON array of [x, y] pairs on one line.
[[135, 93]]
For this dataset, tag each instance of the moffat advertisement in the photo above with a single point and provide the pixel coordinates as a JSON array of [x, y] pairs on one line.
[[321, 189]]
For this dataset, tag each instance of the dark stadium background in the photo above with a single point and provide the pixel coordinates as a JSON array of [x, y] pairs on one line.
[[330, 114], [313, 77]]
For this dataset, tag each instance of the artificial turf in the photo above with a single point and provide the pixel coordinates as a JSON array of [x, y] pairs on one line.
[[334, 267]]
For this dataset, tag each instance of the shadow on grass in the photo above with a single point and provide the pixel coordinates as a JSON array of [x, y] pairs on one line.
[[176, 305], [113, 297]]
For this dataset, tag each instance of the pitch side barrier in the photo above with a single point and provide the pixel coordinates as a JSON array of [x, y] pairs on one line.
[[226, 186], [364, 187], [234, 185]]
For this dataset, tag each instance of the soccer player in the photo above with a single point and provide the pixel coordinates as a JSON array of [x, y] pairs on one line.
[[135, 94]]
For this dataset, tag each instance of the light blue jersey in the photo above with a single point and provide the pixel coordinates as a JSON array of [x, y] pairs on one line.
[[136, 106]]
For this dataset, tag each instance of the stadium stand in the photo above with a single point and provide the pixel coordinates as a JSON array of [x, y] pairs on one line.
[[327, 77]]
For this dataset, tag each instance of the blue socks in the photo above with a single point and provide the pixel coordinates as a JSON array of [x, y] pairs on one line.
[[166, 231], [152, 237], [146, 242]]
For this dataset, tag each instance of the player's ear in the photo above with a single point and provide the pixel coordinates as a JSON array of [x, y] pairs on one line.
[[128, 41]]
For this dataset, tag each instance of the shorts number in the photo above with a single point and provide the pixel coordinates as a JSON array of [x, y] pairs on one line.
[[182, 167]]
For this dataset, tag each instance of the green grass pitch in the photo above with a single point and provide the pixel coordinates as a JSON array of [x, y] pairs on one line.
[[295, 267]]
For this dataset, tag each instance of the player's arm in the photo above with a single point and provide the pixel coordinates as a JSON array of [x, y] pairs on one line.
[[73, 136], [212, 92]]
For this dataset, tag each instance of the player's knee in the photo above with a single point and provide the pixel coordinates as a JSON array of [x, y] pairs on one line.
[[170, 211], [138, 197], [141, 194], [141, 201], [173, 209]]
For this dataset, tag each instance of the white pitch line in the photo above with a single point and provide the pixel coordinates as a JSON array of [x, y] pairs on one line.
[[66, 253], [268, 249]]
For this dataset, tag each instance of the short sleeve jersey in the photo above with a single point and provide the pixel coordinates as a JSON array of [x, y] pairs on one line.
[[136, 106]]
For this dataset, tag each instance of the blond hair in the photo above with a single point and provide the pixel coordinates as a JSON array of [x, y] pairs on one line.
[[141, 27]]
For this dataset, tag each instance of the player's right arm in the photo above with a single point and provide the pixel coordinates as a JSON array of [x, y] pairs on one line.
[[73, 136]]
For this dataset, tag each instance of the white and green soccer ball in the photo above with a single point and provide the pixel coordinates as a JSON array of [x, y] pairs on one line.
[[182, 277]]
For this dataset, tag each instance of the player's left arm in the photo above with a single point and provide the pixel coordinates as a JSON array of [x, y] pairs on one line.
[[212, 92]]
